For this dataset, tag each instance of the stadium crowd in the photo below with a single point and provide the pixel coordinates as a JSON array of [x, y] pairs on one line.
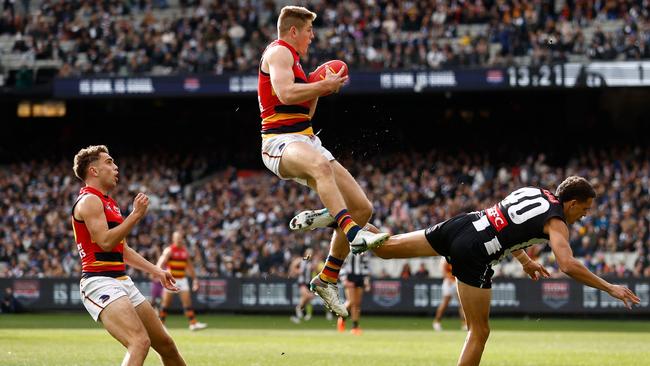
[[236, 220], [128, 37]]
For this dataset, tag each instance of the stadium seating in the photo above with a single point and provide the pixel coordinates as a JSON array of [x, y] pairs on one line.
[[176, 37], [236, 221]]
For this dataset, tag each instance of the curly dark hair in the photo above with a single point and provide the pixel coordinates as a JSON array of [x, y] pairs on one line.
[[575, 188]]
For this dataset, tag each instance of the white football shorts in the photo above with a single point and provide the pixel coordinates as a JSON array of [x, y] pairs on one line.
[[448, 287], [273, 147], [182, 283], [98, 292]]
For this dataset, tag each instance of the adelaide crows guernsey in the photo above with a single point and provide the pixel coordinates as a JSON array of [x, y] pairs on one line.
[[94, 260], [177, 263], [278, 118]]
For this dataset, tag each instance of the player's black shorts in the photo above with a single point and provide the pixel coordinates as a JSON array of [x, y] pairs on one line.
[[356, 279], [458, 240]]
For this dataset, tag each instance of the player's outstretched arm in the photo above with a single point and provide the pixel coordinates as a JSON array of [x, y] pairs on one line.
[[91, 210], [280, 63], [559, 241], [132, 258]]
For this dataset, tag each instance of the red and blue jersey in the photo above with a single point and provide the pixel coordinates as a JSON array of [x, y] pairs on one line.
[[278, 118], [94, 260], [177, 263]]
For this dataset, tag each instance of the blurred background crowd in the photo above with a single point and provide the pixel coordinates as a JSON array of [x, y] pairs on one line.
[[236, 221], [41, 39]]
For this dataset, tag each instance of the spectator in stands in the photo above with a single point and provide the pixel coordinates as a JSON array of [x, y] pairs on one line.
[[9, 302], [422, 271], [216, 37], [30, 191], [405, 274]]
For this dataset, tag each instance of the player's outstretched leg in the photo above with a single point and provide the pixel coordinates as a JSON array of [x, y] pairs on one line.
[[312, 219], [366, 240]]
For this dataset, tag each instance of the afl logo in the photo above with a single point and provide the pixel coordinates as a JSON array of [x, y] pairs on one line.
[[386, 293], [555, 294], [192, 84]]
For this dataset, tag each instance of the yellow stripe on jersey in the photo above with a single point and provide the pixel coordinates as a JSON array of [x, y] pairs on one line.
[[177, 264], [282, 116], [177, 274], [104, 263]]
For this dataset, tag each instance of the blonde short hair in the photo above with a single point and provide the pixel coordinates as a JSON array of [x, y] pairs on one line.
[[293, 16], [85, 157]]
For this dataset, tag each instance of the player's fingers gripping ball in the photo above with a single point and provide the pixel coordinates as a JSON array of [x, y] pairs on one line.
[[334, 66]]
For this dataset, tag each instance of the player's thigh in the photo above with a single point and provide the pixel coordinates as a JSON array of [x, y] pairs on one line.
[[449, 287], [186, 298], [300, 160], [160, 338], [476, 304], [121, 320], [409, 245], [354, 196]]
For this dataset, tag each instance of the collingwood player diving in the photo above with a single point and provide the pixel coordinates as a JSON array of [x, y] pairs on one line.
[[473, 242]]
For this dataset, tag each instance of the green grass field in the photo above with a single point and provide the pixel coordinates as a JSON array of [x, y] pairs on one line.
[[73, 339]]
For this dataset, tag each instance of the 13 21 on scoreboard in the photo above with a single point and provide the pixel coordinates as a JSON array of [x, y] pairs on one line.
[[536, 76]]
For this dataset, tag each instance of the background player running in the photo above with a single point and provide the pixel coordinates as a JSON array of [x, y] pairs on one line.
[[448, 291], [177, 259], [302, 268], [356, 279]]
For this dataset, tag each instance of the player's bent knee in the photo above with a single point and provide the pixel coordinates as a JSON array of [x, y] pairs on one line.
[[361, 214], [140, 342], [321, 169], [165, 346]]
